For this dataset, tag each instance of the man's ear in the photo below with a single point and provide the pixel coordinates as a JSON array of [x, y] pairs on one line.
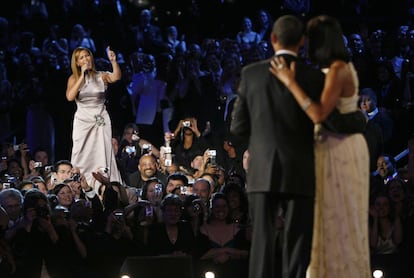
[[302, 41], [273, 38]]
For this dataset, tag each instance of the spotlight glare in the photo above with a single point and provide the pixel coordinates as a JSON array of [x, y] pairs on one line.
[[209, 274], [378, 273]]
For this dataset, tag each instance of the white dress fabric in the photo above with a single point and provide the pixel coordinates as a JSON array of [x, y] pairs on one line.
[[340, 246], [92, 132]]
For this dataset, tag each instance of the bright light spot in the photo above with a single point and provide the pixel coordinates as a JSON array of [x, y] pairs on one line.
[[209, 274], [378, 273], [125, 276]]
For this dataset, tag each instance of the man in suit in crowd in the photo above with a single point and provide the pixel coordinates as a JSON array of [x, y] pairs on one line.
[[280, 141]]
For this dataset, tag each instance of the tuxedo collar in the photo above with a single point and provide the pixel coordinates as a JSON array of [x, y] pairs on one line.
[[286, 52]]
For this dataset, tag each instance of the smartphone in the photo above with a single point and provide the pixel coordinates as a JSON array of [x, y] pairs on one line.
[[148, 211], [118, 215]]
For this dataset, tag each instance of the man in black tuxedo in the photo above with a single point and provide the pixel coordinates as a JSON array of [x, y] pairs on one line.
[[281, 166]]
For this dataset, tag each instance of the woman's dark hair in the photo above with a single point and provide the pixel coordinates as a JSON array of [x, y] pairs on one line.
[[325, 41], [217, 196], [32, 198], [171, 200], [178, 176], [235, 187], [59, 187]]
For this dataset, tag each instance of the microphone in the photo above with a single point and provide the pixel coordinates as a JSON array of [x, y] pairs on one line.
[[86, 72]]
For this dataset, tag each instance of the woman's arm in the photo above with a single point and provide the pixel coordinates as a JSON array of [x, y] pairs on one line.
[[316, 111], [116, 74], [73, 85]]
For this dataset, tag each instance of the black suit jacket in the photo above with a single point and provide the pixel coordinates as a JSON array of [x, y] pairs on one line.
[[279, 133]]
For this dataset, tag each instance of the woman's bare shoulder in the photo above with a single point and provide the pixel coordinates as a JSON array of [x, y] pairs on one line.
[[338, 65]]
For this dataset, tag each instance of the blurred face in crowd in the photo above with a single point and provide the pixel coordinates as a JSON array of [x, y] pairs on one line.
[[201, 188], [173, 184], [172, 214], [234, 199], [63, 172], [41, 186], [154, 194], [65, 196], [366, 104], [384, 166], [220, 209], [13, 207], [147, 166], [246, 160], [197, 162], [42, 156]]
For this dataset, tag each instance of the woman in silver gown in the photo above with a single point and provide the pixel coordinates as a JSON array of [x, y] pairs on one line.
[[92, 128]]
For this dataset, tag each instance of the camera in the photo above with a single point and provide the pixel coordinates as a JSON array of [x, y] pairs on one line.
[[76, 177], [186, 124], [183, 190], [130, 149], [148, 211], [49, 168], [212, 154], [8, 181], [38, 164], [104, 170], [118, 215], [146, 148], [158, 189], [6, 185], [167, 162], [135, 136], [197, 205]]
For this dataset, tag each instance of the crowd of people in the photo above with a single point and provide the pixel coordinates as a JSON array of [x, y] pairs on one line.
[[158, 171]]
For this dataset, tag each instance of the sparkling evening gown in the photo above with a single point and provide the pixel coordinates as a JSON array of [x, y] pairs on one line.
[[340, 246]]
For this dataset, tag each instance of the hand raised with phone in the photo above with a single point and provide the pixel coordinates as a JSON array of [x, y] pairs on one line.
[[111, 54]]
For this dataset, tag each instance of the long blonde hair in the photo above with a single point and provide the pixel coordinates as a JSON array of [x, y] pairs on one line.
[[76, 70]]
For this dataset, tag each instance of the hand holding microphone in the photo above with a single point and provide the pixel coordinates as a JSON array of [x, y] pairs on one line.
[[85, 69]]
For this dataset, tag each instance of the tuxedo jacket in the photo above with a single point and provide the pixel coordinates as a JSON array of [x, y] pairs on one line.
[[279, 134]]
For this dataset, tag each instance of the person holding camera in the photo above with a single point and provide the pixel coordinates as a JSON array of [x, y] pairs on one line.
[[187, 141], [173, 236], [131, 148], [35, 237]]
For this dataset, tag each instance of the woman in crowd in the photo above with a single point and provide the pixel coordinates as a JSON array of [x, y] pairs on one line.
[[222, 245], [173, 236]]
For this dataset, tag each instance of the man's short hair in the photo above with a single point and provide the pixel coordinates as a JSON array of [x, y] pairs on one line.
[[62, 162], [178, 176]]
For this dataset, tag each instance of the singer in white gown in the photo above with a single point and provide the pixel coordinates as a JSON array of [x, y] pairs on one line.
[[92, 128]]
